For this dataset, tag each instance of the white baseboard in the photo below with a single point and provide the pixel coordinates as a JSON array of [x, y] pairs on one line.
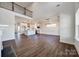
[[77, 46], [66, 42]]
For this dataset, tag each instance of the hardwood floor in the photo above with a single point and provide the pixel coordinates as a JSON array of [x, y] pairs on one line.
[[41, 45]]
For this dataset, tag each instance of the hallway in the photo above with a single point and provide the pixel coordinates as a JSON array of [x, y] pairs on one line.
[[41, 45]]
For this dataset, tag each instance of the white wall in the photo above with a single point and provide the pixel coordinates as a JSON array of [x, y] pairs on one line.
[[0, 42], [7, 18], [67, 24], [77, 26], [50, 30], [66, 28]]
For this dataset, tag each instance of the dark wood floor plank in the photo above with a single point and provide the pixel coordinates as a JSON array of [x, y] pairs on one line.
[[41, 45]]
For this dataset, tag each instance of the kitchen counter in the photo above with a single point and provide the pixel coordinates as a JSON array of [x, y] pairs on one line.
[[29, 32]]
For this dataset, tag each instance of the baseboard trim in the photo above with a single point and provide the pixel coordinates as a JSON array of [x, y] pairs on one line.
[[47, 34], [77, 49], [66, 42]]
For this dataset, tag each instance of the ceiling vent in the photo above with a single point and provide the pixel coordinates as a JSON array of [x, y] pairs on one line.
[[57, 5], [47, 19]]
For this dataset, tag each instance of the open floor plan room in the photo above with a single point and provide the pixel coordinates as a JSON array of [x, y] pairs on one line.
[[39, 29]]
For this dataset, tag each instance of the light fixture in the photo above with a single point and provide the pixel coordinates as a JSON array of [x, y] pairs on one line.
[[51, 25]]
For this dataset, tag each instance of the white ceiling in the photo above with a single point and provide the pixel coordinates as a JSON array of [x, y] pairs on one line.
[[44, 10]]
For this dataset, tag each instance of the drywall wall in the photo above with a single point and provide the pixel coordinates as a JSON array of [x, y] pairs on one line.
[[0, 42], [50, 30], [7, 18], [66, 28], [1, 47], [76, 6], [67, 24], [77, 26]]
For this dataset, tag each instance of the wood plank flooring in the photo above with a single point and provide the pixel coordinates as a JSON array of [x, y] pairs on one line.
[[41, 45]]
